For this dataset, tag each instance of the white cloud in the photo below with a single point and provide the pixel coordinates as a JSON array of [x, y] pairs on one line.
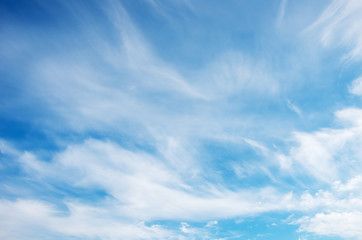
[[28, 219], [328, 154], [350, 117], [285, 162], [185, 228], [356, 87], [345, 224], [257, 146], [313, 155], [294, 108], [211, 223], [340, 24], [333, 156], [140, 187], [339, 210], [234, 73], [353, 185], [7, 148], [140, 59], [25, 219], [147, 188]]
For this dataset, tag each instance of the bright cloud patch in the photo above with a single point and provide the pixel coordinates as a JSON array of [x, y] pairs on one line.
[[356, 87], [346, 224]]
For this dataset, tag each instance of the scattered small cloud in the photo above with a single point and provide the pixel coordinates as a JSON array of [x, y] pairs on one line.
[[294, 108], [356, 87]]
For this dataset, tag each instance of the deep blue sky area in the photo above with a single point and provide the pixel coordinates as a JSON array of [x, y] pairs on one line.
[[180, 119]]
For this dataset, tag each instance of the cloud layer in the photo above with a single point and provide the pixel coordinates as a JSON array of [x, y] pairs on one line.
[[128, 120]]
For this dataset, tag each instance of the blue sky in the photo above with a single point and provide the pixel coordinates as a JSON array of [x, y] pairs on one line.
[[180, 119]]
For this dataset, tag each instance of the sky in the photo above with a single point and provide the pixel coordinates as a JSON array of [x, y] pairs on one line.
[[180, 119]]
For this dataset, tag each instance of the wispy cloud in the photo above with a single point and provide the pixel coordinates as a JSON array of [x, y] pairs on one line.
[[319, 153], [235, 74], [356, 87], [163, 7], [146, 188], [23, 218], [340, 25], [281, 12], [294, 108]]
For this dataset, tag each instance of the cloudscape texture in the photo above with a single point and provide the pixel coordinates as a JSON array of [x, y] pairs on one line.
[[180, 119]]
